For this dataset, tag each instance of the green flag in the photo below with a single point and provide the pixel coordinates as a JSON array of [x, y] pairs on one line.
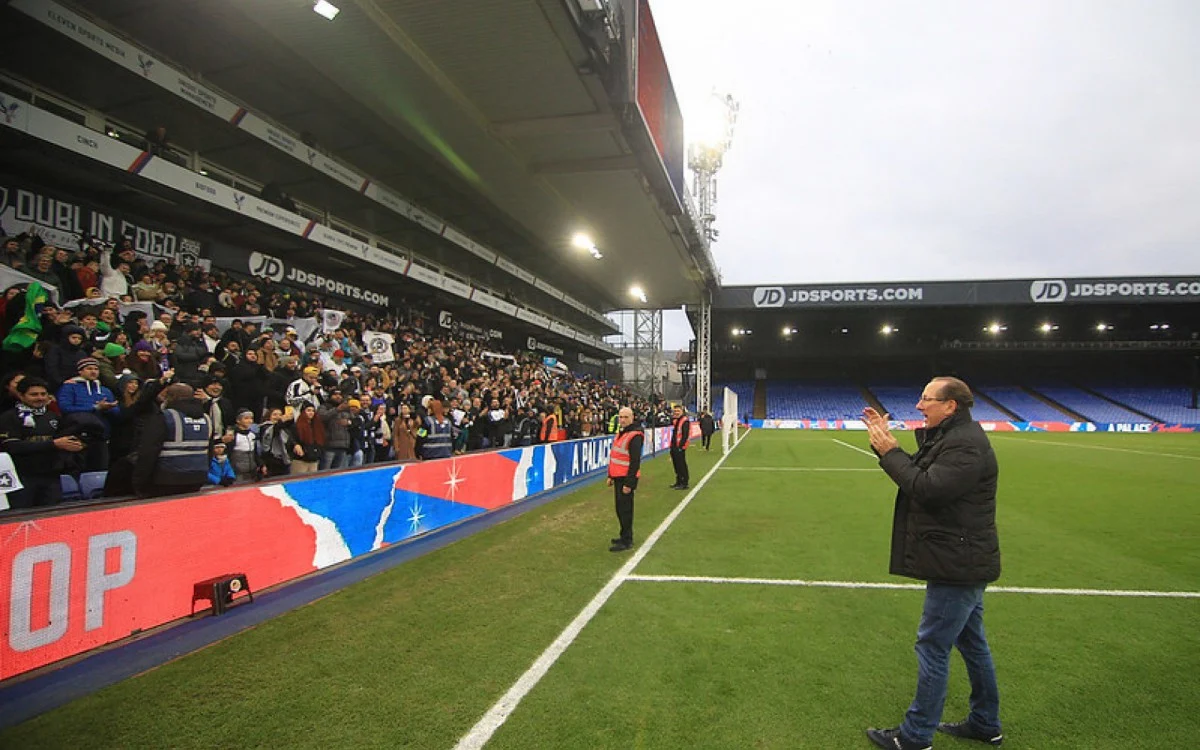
[[25, 331]]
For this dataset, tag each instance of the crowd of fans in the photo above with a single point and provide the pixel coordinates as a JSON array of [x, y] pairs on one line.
[[84, 377]]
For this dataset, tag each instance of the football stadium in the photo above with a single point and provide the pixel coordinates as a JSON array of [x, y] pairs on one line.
[[317, 411]]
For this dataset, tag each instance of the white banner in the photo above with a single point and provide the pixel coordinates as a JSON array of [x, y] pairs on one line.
[[331, 320], [10, 277], [380, 346]]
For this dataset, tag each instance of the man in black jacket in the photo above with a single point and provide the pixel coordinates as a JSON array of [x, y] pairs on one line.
[[29, 433], [707, 428], [944, 532]]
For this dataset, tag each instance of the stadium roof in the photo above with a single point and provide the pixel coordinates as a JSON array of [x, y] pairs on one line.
[[1111, 290], [488, 113]]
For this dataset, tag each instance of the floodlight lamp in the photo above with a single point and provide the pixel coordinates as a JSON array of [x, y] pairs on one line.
[[887, 330], [326, 9], [582, 241], [1047, 327], [637, 293], [1101, 326], [995, 328]]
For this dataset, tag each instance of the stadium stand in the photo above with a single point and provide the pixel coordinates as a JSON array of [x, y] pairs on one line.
[[1164, 403], [1025, 405], [793, 400], [1094, 408]]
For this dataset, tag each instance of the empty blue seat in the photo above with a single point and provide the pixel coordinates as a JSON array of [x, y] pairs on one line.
[[70, 489], [91, 484]]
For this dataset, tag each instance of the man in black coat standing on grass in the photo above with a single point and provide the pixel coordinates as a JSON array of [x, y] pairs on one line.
[[944, 533]]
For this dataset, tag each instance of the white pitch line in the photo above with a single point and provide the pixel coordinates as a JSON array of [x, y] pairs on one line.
[[788, 468], [1096, 447], [503, 708], [912, 586], [854, 448]]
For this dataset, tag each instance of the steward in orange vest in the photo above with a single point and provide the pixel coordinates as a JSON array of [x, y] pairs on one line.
[[549, 430], [624, 468], [682, 433]]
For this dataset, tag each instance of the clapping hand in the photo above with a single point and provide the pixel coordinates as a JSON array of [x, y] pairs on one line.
[[882, 439]]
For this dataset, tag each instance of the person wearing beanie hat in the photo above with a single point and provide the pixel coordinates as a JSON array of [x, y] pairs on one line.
[[242, 444], [111, 361], [158, 325], [86, 405]]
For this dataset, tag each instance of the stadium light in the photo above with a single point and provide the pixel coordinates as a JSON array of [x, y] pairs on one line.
[[1103, 327], [789, 330], [888, 330], [1047, 327], [637, 293], [845, 330], [326, 9], [1160, 327], [582, 241], [995, 328]]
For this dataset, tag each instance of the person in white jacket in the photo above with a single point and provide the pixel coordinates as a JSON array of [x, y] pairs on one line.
[[114, 282]]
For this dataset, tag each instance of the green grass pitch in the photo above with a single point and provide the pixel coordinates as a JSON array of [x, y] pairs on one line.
[[413, 657]]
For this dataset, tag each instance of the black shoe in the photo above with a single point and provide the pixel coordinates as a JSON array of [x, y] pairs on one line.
[[893, 740], [675, 486], [619, 540], [969, 731], [620, 546], [680, 487]]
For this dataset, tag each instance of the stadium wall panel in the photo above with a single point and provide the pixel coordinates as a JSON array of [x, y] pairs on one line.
[[79, 580]]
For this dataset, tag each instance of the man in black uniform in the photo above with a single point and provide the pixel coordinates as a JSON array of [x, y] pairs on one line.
[[624, 468], [172, 456], [680, 435], [707, 428], [27, 433]]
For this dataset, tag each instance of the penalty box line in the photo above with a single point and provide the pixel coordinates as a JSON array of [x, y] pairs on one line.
[[912, 586], [503, 708]]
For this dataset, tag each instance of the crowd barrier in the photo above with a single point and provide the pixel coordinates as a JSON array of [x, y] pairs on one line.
[[990, 426], [75, 581]]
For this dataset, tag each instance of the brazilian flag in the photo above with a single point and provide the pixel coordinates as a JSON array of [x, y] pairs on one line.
[[25, 331]]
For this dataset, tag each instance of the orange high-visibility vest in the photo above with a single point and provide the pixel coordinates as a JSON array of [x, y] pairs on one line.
[[618, 458], [687, 435], [549, 429]]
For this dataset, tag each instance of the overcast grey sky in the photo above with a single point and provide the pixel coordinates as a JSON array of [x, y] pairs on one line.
[[938, 139]]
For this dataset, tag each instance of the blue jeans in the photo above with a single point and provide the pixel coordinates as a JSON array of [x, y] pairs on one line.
[[333, 458], [953, 616]]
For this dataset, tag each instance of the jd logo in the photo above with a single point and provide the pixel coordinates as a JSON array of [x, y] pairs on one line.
[[768, 296], [262, 264], [531, 343], [1048, 291], [445, 319]]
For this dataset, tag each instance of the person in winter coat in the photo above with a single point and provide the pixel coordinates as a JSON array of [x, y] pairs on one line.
[[242, 445], [143, 363], [404, 435], [220, 470], [248, 382], [336, 417], [86, 405], [189, 352], [277, 441], [111, 361], [944, 533], [62, 361], [310, 439], [29, 433]]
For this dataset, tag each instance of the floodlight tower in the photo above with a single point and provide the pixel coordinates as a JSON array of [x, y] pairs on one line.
[[706, 154], [705, 157]]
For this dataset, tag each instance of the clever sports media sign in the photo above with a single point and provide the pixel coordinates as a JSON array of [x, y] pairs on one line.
[[949, 293]]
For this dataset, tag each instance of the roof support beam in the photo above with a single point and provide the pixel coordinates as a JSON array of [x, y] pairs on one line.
[[624, 163], [553, 125]]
